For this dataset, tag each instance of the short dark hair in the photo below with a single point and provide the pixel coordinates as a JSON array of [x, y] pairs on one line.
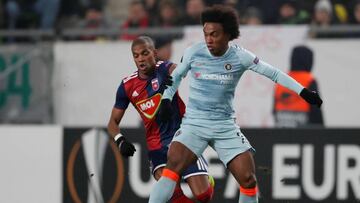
[[143, 40], [224, 15]]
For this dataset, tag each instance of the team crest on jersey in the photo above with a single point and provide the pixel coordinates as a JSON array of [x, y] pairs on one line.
[[228, 66], [155, 84], [148, 107]]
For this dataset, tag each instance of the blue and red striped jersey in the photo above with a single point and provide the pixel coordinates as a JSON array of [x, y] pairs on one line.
[[145, 95]]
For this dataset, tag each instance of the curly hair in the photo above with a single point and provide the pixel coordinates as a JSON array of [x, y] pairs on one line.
[[224, 15]]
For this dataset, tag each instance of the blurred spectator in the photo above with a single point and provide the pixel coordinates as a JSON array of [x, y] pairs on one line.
[[137, 18], [341, 13], [269, 9], [163, 47], [116, 11], [355, 13], [235, 5], [152, 8], [22, 14], [354, 19], [168, 14], [193, 12], [323, 13], [212, 2], [231, 3], [71, 13], [291, 13], [94, 19], [48, 11], [1, 15], [290, 110], [252, 16], [76, 13], [19, 14]]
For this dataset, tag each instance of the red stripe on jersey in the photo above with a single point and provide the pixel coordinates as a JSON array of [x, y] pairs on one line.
[[132, 76]]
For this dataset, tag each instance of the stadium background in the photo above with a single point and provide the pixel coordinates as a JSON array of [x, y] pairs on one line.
[[57, 89]]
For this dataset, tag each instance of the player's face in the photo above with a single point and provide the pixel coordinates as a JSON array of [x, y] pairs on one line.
[[144, 57], [216, 39]]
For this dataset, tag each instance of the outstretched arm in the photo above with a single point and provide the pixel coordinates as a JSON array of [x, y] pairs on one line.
[[285, 80], [277, 76]]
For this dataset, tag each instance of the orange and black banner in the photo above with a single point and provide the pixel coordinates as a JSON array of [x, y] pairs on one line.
[[292, 165]]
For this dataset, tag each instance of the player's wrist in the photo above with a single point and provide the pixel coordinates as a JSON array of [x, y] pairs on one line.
[[118, 137], [165, 99]]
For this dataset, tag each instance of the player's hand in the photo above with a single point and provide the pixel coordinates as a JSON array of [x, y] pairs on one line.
[[165, 110], [166, 82], [311, 97], [126, 148]]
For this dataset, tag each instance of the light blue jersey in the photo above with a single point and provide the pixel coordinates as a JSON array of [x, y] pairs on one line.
[[213, 79]]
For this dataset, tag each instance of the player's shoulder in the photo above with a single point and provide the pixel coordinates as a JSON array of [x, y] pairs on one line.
[[163, 64], [197, 46], [238, 49], [245, 56], [194, 50], [242, 52], [130, 78]]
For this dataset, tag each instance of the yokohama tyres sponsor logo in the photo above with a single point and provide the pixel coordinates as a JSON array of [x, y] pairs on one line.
[[149, 106], [214, 76]]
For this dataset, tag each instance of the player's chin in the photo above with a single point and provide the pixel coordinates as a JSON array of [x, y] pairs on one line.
[[145, 70], [212, 51]]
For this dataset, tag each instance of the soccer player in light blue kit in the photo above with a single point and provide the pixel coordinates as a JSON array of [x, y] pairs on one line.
[[214, 68]]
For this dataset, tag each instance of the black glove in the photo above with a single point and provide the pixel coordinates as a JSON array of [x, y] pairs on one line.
[[311, 97], [165, 110], [126, 148], [166, 82]]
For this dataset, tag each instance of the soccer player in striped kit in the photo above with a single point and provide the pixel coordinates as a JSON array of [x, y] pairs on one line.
[[144, 89], [214, 68]]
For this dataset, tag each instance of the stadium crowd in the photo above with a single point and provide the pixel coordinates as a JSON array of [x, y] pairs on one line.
[[124, 14]]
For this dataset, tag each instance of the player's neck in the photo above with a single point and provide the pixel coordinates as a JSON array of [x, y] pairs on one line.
[[145, 76], [222, 52]]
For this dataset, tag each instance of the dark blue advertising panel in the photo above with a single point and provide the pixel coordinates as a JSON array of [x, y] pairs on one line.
[[293, 165]]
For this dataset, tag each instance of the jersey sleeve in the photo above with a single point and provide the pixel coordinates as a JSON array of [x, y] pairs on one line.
[[121, 101], [164, 67], [178, 74], [253, 63]]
